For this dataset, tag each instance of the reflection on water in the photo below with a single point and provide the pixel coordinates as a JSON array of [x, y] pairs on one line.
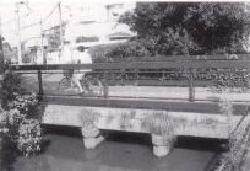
[[7, 153], [66, 153]]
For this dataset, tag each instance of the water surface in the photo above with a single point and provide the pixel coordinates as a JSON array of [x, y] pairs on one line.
[[67, 153]]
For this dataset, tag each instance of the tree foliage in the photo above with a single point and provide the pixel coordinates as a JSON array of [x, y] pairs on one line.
[[104, 53], [180, 28], [19, 114], [10, 85]]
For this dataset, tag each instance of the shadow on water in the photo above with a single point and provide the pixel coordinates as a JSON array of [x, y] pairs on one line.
[[201, 144], [8, 153], [115, 136], [61, 130], [182, 142]]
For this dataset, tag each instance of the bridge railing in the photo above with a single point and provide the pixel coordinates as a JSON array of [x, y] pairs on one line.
[[186, 64], [189, 68]]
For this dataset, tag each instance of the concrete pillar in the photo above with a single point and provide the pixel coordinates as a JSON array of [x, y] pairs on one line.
[[162, 145], [91, 136]]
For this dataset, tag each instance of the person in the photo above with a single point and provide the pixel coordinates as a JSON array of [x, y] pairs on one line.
[[77, 80], [233, 56]]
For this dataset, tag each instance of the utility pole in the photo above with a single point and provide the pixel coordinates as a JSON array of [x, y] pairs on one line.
[[61, 31], [108, 7], [1, 53], [19, 40], [2, 65], [41, 45]]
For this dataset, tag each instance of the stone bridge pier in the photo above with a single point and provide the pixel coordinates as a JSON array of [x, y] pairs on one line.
[[90, 131], [162, 145], [91, 136]]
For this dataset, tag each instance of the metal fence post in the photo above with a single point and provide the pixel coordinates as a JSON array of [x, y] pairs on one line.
[[191, 87], [40, 85], [106, 85]]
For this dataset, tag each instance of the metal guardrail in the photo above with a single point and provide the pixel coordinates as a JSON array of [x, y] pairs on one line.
[[186, 64], [124, 68]]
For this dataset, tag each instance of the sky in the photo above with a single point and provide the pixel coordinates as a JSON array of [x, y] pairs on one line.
[[40, 9]]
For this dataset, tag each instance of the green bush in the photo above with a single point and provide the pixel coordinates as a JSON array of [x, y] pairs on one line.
[[20, 115]]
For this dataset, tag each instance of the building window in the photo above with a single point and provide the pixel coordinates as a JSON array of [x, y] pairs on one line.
[[82, 49], [87, 39], [118, 38], [33, 50]]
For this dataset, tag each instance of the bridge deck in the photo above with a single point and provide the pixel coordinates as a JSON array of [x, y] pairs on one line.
[[139, 120]]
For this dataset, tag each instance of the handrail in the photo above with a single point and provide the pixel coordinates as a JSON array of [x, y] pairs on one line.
[[189, 65], [186, 64]]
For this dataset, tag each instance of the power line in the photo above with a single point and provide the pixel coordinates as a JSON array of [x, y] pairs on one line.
[[31, 25], [14, 19], [50, 13], [25, 15], [43, 20]]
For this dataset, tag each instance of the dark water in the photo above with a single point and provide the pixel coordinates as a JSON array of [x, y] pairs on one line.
[[120, 152], [7, 153]]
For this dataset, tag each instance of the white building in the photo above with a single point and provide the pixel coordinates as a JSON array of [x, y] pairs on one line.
[[35, 49], [88, 24], [95, 27]]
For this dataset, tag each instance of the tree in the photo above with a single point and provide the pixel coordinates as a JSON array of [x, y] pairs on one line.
[[218, 25], [180, 28], [1, 56], [11, 84]]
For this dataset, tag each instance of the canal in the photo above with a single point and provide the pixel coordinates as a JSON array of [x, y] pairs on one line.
[[119, 152]]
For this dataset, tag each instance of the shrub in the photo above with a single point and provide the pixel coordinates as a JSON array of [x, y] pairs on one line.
[[19, 115], [114, 52]]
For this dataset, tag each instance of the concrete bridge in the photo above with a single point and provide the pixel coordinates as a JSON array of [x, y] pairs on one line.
[[203, 119], [204, 125], [163, 118]]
